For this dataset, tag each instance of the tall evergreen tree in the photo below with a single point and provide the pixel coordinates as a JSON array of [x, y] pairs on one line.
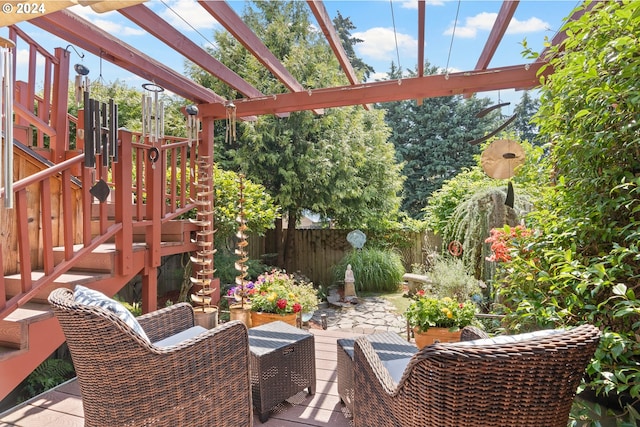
[[524, 110], [343, 27], [432, 140]]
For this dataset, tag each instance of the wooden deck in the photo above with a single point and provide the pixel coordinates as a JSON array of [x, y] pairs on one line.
[[62, 406]]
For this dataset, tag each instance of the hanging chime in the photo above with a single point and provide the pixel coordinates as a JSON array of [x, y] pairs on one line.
[[6, 122]]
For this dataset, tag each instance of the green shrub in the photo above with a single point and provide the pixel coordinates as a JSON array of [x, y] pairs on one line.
[[451, 279], [374, 270], [47, 375]]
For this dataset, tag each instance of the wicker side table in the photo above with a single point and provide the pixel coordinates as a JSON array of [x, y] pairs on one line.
[[282, 364], [388, 345]]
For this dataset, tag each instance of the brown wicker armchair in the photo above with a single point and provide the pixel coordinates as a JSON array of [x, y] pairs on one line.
[[518, 380], [128, 381]]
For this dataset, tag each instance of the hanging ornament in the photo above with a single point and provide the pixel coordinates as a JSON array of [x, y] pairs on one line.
[[231, 123], [6, 121], [193, 125], [499, 161]]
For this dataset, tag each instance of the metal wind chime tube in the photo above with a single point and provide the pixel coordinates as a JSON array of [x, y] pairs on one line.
[[152, 113], [6, 124]]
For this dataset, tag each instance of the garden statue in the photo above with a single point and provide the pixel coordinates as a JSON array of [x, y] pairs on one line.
[[349, 283]]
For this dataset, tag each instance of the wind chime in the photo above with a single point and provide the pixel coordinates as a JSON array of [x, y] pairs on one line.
[[152, 120], [203, 184], [100, 135], [6, 122]]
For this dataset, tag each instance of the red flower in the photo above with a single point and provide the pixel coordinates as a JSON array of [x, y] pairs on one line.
[[282, 304], [420, 292], [297, 307]]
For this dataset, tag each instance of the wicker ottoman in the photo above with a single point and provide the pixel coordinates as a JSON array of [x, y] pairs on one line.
[[388, 345], [282, 364]]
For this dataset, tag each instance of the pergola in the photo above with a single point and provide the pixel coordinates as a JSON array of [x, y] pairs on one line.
[[67, 25]]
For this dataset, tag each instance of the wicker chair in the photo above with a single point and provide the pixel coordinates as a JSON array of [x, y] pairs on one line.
[[518, 380], [127, 381]]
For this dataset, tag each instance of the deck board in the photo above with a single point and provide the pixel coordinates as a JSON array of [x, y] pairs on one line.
[[62, 406]]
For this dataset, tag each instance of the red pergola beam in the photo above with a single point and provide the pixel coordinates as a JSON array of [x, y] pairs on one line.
[[87, 36], [228, 18], [522, 76], [320, 12], [503, 19], [162, 30], [421, 29]]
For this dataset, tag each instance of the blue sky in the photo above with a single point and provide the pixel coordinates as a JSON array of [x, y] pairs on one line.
[[388, 29]]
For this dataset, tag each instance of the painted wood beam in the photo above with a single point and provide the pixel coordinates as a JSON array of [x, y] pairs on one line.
[[421, 30], [519, 76], [87, 36], [503, 19], [162, 30], [228, 18], [322, 16]]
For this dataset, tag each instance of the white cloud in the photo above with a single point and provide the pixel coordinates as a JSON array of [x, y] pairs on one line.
[[111, 22], [531, 25], [481, 22], [484, 22], [413, 4], [190, 11], [380, 44]]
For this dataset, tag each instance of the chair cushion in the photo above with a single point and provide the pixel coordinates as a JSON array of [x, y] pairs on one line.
[[507, 339], [86, 296], [176, 339], [396, 367]]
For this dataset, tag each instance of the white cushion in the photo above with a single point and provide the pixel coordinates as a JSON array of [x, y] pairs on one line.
[[176, 339], [507, 339], [86, 296]]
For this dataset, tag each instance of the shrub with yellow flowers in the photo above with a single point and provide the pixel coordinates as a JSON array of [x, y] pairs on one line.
[[425, 312]]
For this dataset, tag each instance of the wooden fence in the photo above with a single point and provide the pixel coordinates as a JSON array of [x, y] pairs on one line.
[[318, 250]]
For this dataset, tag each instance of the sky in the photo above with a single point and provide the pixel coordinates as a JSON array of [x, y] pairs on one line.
[[456, 32]]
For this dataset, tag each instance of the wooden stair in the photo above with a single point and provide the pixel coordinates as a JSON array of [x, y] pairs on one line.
[[31, 333]]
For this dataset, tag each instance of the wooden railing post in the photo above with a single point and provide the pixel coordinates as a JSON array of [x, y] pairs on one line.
[[123, 203]]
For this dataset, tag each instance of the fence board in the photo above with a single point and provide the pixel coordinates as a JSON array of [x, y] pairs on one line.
[[318, 250]]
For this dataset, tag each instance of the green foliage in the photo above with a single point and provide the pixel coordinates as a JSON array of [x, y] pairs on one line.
[[525, 128], [47, 375], [585, 262], [134, 307], [451, 278], [226, 271], [529, 180], [431, 140], [259, 207], [374, 270]]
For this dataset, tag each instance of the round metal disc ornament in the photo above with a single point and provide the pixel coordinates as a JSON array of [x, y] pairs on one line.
[[357, 239]]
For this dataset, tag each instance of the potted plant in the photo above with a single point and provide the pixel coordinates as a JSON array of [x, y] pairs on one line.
[[277, 296], [438, 319], [308, 299]]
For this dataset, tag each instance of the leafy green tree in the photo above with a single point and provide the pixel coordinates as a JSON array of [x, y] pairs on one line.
[[432, 140], [337, 164], [584, 257]]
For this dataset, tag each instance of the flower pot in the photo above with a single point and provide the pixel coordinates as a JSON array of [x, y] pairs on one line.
[[241, 313], [433, 335], [259, 318]]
